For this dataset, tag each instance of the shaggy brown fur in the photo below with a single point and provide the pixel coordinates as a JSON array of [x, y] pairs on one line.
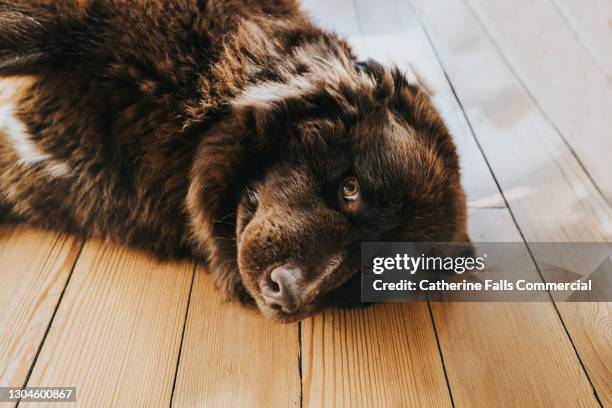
[[226, 130]]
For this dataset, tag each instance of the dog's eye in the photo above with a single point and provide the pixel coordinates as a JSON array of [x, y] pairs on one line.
[[350, 189]]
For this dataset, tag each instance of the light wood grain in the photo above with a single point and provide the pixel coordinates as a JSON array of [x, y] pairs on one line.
[[591, 23], [493, 350], [559, 73], [547, 190], [511, 355], [382, 356], [339, 16], [590, 326], [234, 357], [34, 267], [117, 332]]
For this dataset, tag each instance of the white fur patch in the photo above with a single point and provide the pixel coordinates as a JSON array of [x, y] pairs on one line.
[[265, 94], [19, 136], [26, 150], [324, 72]]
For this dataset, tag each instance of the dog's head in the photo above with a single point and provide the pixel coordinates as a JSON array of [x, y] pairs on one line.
[[326, 162]]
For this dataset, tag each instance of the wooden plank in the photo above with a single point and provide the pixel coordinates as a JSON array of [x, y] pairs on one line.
[[527, 156], [382, 356], [117, 331], [548, 192], [491, 350], [560, 75], [338, 15], [591, 23], [233, 357], [34, 268]]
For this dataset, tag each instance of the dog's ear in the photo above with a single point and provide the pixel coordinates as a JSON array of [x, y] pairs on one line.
[[393, 81], [35, 33]]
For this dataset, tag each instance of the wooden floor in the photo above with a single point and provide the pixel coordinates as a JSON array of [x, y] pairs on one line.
[[526, 87]]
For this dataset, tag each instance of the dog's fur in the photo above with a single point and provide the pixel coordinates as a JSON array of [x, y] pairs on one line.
[[222, 130]]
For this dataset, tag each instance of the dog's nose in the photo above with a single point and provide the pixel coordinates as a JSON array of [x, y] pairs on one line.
[[282, 289]]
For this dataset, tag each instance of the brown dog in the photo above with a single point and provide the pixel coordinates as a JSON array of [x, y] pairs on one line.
[[234, 131]]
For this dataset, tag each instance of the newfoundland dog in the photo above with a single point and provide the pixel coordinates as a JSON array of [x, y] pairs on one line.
[[234, 131]]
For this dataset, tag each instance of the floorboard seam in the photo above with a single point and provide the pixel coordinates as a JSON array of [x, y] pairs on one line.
[[435, 330], [301, 374], [178, 357], [57, 305]]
